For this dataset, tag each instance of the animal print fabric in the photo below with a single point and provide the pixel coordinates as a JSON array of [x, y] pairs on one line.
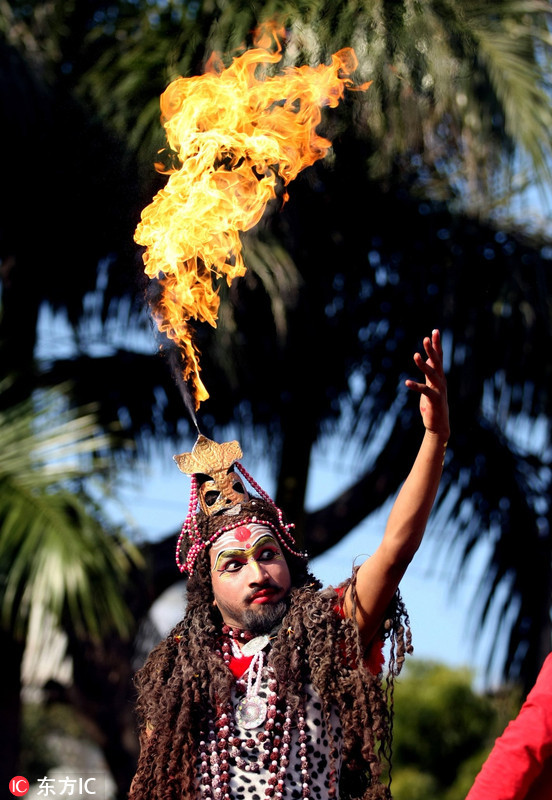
[[246, 785], [251, 786]]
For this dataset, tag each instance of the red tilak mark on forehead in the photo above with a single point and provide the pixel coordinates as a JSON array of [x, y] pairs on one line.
[[242, 533]]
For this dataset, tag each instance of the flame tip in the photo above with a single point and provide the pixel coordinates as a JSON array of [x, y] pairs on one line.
[[233, 133]]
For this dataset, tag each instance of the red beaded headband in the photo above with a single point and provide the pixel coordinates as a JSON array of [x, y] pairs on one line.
[[190, 527]]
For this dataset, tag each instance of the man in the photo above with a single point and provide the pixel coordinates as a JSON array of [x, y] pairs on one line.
[[270, 687], [519, 767]]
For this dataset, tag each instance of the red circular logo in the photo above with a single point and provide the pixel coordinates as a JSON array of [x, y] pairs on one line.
[[19, 786]]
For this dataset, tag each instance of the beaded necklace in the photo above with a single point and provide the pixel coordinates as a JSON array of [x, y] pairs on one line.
[[270, 748]]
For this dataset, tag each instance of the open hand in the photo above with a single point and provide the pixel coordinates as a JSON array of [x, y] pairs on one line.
[[433, 393]]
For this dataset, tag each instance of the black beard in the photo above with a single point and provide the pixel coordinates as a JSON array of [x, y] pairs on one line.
[[264, 618]]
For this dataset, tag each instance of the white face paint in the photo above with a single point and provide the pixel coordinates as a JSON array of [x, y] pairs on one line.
[[245, 535], [249, 574]]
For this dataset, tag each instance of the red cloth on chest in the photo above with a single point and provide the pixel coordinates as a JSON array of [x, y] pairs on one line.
[[238, 666]]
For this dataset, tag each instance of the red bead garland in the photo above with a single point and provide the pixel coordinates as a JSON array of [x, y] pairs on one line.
[[190, 527], [220, 744]]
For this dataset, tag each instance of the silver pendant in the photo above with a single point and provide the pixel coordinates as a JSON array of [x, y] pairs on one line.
[[251, 711], [254, 646]]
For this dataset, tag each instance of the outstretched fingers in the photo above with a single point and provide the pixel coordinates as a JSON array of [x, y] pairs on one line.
[[432, 368], [433, 392]]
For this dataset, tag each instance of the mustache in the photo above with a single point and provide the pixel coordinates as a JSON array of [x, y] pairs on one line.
[[268, 586]]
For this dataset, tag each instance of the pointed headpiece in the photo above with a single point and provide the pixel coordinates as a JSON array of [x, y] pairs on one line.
[[219, 486], [218, 489]]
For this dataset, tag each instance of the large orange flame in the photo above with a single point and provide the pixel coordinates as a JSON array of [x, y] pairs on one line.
[[233, 135]]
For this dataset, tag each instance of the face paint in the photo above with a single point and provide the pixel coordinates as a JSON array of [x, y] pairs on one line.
[[249, 573], [232, 559]]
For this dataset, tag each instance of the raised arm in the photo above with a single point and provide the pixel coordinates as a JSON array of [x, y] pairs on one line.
[[379, 576]]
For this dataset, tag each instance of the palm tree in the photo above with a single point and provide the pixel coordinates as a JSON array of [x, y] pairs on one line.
[[462, 82], [59, 559], [458, 96], [458, 120], [459, 101]]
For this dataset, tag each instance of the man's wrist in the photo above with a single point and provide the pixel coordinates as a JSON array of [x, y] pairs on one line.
[[440, 437], [439, 440]]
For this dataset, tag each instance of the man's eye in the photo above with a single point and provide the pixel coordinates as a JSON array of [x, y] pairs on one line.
[[231, 566], [267, 555]]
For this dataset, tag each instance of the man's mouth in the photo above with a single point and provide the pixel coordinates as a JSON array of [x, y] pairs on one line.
[[263, 595]]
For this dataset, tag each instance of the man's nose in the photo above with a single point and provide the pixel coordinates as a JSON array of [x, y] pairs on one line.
[[257, 571]]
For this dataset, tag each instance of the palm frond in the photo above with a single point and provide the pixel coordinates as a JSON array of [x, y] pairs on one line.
[[514, 44], [57, 553]]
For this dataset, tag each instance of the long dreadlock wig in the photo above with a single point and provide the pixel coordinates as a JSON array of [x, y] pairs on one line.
[[184, 678]]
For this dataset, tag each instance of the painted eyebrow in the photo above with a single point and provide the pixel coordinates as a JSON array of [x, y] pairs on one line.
[[242, 552]]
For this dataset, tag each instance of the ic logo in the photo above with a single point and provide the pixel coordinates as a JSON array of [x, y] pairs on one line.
[[19, 786]]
